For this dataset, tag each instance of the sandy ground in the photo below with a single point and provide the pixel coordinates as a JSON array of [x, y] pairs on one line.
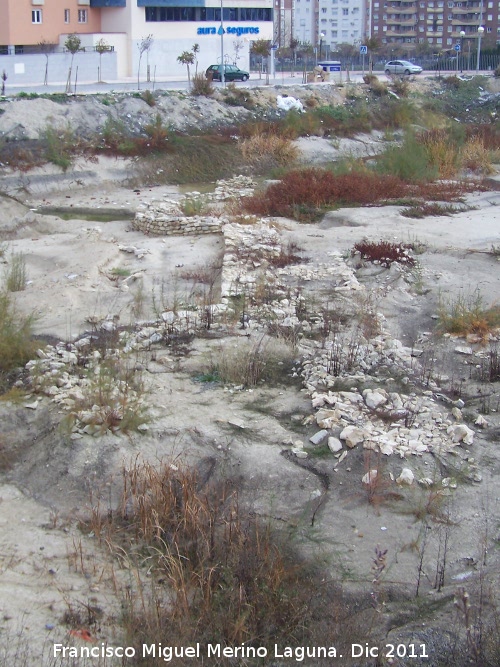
[[47, 566]]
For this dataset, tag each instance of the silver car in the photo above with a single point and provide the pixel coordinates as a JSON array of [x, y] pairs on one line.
[[401, 67]]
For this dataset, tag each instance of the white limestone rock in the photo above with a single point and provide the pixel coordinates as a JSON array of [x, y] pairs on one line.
[[374, 399], [352, 436], [406, 477], [370, 477], [461, 433], [334, 445]]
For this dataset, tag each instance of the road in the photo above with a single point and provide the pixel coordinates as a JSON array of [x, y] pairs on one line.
[[180, 83]]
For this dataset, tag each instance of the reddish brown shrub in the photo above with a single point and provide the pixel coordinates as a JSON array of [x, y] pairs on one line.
[[385, 252], [302, 193]]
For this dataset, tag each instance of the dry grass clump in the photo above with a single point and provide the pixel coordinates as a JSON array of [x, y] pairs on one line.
[[467, 314], [267, 147], [441, 151], [216, 574], [475, 156], [449, 152], [201, 86], [15, 275], [248, 362], [16, 344]]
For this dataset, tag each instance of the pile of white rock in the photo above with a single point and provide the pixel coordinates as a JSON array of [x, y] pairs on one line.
[[249, 254]]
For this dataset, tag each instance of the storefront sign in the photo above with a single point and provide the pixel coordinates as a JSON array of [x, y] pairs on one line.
[[229, 31]]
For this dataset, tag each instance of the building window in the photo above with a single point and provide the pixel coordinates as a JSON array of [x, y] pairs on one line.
[[36, 16], [345, 12], [66, 16], [82, 16]]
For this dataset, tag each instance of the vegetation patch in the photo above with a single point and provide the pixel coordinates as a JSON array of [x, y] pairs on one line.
[[385, 253], [215, 573], [467, 314], [432, 208], [305, 193], [16, 343]]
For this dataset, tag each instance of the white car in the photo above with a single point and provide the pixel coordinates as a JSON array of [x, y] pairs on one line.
[[401, 67]]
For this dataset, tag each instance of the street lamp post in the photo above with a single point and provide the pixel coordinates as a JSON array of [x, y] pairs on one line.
[[480, 32], [462, 35], [221, 31]]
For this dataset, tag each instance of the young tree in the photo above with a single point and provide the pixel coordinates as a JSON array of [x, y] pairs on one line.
[[262, 48], [186, 58], [238, 46], [144, 46], [101, 47], [374, 44], [195, 49], [46, 48], [294, 45], [4, 79], [73, 44]]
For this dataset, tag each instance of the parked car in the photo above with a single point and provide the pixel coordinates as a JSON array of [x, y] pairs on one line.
[[231, 73], [401, 67]]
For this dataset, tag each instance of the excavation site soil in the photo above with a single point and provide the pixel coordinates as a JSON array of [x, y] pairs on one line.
[[269, 365]]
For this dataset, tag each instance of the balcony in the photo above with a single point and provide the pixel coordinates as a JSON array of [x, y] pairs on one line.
[[472, 9]]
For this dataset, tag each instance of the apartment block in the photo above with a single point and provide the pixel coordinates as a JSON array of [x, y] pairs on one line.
[[441, 23], [26, 23]]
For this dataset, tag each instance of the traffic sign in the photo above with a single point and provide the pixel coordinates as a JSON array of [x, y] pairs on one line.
[[457, 47], [363, 50]]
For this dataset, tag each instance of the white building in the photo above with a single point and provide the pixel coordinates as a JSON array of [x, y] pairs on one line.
[[176, 25], [328, 23]]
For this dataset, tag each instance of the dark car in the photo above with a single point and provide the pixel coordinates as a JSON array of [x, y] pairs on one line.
[[231, 73]]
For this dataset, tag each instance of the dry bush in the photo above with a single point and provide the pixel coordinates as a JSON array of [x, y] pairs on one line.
[[378, 88], [449, 191], [400, 85], [303, 193], [201, 86], [269, 148], [442, 152], [385, 253], [215, 573], [489, 134], [476, 157]]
